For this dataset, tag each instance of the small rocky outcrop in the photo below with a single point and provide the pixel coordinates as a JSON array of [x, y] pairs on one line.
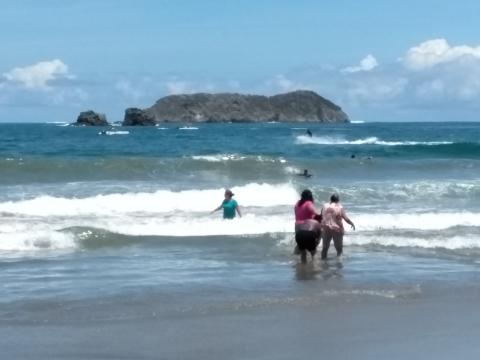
[[91, 118], [138, 117], [297, 106]]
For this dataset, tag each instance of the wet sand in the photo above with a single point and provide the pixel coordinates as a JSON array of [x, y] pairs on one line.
[[430, 326]]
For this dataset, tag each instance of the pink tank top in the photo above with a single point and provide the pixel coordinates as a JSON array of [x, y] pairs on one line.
[[304, 212]]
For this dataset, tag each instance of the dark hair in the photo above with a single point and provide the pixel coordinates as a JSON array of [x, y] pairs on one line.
[[305, 196], [229, 192], [334, 198]]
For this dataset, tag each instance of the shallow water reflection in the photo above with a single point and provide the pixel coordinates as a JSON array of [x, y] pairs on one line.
[[319, 269]]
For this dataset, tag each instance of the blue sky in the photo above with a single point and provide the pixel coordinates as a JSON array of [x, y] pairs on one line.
[[379, 60]]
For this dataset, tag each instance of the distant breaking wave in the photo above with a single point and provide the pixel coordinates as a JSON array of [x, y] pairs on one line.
[[219, 157], [236, 157], [304, 139], [119, 132]]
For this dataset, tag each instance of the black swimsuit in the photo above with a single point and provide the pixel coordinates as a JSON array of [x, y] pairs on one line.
[[307, 240]]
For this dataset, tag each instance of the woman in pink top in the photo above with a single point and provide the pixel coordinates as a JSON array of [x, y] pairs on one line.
[[307, 228], [333, 215]]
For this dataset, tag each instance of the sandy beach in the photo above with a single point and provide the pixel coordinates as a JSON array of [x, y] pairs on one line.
[[432, 325]]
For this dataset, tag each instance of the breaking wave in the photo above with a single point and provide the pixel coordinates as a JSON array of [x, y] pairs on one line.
[[326, 140]]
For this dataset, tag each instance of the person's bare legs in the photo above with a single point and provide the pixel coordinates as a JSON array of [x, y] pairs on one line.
[[317, 242], [303, 256], [338, 243], [326, 239]]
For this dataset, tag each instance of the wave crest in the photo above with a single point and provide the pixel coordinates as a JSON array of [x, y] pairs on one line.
[[327, 140]]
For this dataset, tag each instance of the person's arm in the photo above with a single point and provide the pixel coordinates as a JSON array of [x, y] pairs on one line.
[[218, 208], [314, 211], [238, 210], [347, 219]]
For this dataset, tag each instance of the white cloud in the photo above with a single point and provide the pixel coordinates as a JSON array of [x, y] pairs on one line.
[[233, 85], [452, 84], [280, 83], [128, 90], [38, 76], [444, 74], [58, 96], [176, 87], [283, 83], [19, 82], [70, 97], [437, 51], [376, 90], [430, 89], [470, 89], [368, 63]]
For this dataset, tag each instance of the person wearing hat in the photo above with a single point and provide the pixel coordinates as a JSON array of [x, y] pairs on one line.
[[229, 205]]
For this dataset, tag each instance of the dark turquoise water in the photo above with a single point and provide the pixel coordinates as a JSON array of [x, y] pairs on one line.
[[390, 140]]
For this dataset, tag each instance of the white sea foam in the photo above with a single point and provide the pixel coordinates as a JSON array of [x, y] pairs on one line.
[[119, 132], [219, 157], [58, 123], [249, 224], [236, 157], [451, 243], [161, 201], [40, 223], [416, 221], [37, 239], [34, 232], [426, 193], [331, 140], [43, 222], [188, 128], [53, 234], [292, 170], [30, 233], [357, 122]]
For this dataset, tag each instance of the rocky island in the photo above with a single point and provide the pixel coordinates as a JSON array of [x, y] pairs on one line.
[[138, 117], [91, 118], [296, 106]]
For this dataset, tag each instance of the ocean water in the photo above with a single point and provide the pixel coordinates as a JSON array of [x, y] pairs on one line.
[[88, 219]]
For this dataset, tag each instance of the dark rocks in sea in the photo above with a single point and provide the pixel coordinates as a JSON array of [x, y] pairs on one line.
[[138, 117], [297, 106], [91, 118]]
